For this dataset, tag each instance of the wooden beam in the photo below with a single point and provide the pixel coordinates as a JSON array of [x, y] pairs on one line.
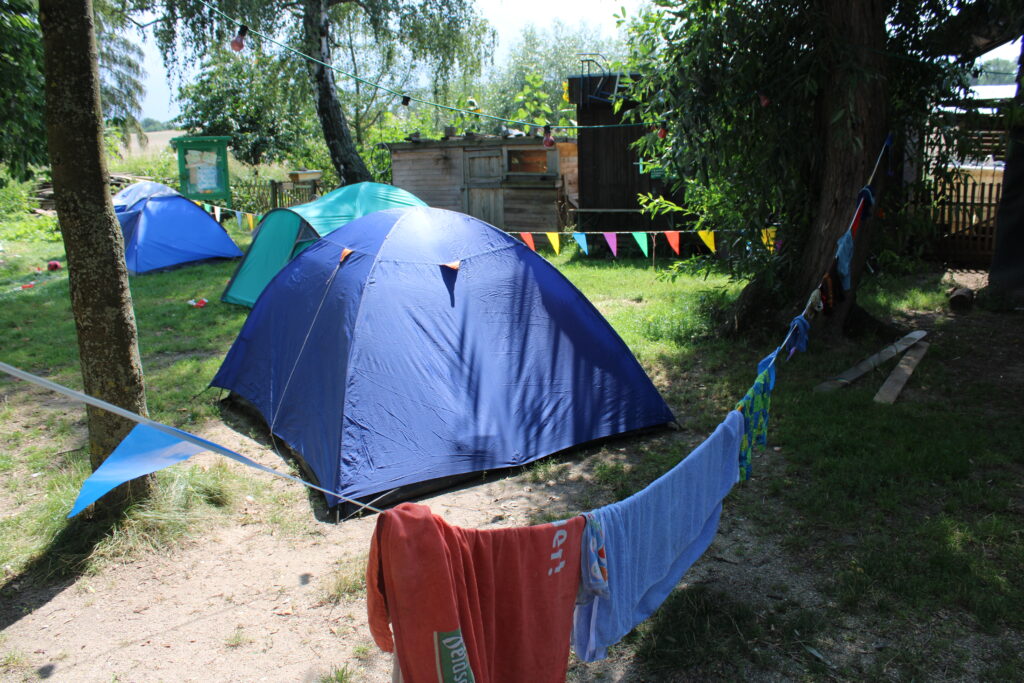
[[872, 362], [901, 373]]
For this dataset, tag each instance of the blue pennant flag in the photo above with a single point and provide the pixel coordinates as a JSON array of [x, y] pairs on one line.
[[144, 451], [581, 239]]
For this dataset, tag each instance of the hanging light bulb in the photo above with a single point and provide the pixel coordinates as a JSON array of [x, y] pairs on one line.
[[238, 42], [548, 140]]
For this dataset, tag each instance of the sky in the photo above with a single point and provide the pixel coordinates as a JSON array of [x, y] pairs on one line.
[[508, 17]]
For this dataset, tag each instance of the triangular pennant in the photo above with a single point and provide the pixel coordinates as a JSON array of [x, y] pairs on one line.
[[144, 451], [708, 238], [555, 243], [581, 239], [673, 240], [206, 208], [250, 221], [528, 239], [197, 203], [613, 242], [768, 237], [641, 239], [238, 217], [216, 213]]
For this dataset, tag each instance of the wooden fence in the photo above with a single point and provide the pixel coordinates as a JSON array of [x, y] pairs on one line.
[[263, 195], [965, 212]]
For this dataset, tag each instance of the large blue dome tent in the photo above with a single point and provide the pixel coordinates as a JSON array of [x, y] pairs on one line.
[[285, 232], [419, 344], [163, 229]]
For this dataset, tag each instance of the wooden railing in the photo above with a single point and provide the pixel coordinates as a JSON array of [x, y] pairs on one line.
[[965, 212], [263, 195]]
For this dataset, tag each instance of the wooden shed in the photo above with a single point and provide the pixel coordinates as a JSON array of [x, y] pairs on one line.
[[512, 183], [610, 174]]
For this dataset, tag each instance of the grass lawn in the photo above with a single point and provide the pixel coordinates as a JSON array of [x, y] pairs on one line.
[[906, 519]]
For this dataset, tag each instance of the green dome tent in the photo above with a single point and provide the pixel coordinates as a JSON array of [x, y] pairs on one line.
[[283, 233]]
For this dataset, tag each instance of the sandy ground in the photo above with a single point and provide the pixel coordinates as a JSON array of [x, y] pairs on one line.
[[245, 601]]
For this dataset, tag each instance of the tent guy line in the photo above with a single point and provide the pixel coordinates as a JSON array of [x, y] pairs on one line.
[[166, 429]]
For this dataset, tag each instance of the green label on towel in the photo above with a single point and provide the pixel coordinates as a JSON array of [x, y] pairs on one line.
[[452, 658]]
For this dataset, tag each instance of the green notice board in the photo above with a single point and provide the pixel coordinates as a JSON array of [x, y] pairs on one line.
[[203, 167]]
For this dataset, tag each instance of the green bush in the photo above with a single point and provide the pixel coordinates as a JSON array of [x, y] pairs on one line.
[[161, 167], [16, 198]]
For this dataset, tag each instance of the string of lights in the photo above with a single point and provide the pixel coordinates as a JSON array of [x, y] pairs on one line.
[[238, 43]]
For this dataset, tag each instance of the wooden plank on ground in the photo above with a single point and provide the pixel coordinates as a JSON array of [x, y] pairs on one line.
[[872, 362], [901, 373]]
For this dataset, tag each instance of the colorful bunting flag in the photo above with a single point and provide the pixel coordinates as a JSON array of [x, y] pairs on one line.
[[613, 242], [144, 451], [250, 221], [216, 213], [673, 240], [528, 239], [238, 217], [206, 208], [768, 237], [149, 447], [708, 238], [641, 239], [555, 244], [581, 239]]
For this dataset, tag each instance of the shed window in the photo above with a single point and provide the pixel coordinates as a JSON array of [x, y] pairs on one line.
[[527, 161]]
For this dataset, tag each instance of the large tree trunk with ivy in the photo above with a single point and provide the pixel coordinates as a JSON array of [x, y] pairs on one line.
[[850, 130], [316, 37], [97, 275], [1006, 276]]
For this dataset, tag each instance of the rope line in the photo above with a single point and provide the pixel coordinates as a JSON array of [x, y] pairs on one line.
[[166, 429]]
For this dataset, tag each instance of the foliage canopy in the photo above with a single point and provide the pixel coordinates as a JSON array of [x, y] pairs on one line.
[[745, 91], [253, 97], [22, 132]]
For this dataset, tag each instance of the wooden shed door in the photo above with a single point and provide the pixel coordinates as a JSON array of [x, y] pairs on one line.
[[483, 185]]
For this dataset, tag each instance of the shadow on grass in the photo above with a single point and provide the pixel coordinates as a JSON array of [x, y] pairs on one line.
[[702, 633], [60, 564]]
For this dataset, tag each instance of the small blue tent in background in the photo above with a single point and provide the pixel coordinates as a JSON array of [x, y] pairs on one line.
[[163, 229], [419, 344]]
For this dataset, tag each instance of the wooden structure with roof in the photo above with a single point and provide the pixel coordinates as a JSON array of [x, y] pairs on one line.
[[513, 183]]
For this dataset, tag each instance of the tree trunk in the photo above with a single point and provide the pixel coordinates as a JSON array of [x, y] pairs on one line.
[[1006, 275], [856, 94], [850, 131], [97, 275], [316, 36]]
